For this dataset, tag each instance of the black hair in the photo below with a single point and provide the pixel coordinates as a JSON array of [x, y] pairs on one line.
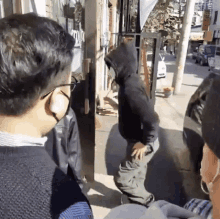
[[211, 118], [33, 50]]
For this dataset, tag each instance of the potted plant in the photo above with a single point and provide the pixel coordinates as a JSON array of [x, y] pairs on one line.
[[167, 91]]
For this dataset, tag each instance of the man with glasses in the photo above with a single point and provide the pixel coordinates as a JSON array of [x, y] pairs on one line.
[[35, 80], [63, 144]]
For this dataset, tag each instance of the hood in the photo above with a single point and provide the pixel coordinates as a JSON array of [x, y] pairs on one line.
[[123, 60]]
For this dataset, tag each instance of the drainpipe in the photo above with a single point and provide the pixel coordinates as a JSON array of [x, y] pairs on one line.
[[104, 42]]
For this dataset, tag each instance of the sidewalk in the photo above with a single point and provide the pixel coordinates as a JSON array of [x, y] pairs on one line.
[[169, 176]]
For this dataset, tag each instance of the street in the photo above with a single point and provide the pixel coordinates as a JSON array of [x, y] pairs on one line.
[[193, 73], [193, 76]]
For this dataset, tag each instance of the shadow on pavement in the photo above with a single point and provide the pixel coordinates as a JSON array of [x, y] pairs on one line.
[[195, 144], [115, 150], [165, 177], [109, 198]]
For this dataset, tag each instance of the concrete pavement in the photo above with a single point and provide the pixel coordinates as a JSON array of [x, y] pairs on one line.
[[170, 176]]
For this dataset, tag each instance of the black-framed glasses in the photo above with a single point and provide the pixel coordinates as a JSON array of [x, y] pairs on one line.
[[72, 85]]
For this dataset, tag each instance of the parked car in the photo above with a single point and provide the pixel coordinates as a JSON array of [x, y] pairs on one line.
[[204, 53], [162, 68], [214, 62]]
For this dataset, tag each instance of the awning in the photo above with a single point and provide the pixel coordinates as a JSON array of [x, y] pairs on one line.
[[196, 36], [146, 6]]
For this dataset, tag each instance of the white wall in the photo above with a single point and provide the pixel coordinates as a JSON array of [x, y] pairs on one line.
[[39, 4], [216, 7], [41, 7], [2, 14], [25, 4]]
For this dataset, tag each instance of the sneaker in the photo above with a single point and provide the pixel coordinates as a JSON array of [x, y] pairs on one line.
[[126, 200], [150, 200]]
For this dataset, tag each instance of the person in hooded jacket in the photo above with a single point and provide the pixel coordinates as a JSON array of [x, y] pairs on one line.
[[192, 133], [138, 123]]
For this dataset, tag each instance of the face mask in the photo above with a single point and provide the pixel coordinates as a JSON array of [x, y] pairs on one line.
[[210, 184]]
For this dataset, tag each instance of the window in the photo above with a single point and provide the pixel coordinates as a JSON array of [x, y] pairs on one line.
[[216, 17], [183, 8]]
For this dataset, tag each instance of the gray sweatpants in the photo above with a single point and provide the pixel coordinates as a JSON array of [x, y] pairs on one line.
[[131, 175]]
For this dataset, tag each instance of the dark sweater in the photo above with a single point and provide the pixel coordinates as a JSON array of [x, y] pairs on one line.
[[137, 119], [32, 186]]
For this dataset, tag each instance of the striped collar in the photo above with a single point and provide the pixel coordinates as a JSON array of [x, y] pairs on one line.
[[19, 140]]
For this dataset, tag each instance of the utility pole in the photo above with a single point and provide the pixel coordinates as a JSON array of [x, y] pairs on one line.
[[183, 46]]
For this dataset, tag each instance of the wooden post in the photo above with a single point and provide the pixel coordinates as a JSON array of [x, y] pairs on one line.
[[146, 72]]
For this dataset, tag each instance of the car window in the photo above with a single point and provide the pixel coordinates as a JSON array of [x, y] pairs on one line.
[[161, 57], [149, 57], [218, 51], [210, 50]]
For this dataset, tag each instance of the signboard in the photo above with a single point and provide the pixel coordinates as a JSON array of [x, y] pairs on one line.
[[206, 20], [195, 36], [79, 37], [208, 35]]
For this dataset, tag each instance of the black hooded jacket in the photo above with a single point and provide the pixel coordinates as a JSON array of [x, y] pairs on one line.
[[137, 119]]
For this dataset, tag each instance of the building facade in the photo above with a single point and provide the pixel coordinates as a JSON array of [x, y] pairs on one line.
[[215, 22]]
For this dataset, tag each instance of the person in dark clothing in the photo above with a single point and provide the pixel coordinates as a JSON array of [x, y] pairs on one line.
[[35, 88], [63, 145], [138, 123], [192, 134]]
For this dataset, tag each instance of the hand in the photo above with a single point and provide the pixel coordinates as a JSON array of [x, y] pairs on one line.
[[139, 150]]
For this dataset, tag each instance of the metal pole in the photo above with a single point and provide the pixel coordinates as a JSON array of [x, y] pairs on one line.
[[183, 46], [138, 37], [120, 21]]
